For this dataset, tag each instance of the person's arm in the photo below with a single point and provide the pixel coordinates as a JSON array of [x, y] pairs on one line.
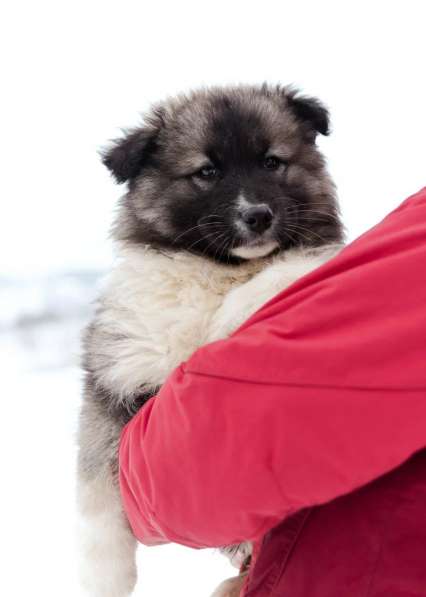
[[318, 393]]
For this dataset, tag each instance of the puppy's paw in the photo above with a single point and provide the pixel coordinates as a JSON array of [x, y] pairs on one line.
[[231, 587], [107, 579], [239, 555]]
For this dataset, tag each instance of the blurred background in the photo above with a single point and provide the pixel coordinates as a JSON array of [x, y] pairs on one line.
[[72, 74]]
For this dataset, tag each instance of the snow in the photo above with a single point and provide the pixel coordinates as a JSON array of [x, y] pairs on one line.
[[39, 342]]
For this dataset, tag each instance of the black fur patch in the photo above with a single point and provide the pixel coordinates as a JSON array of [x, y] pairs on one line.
[[126, 156], [311, 111]]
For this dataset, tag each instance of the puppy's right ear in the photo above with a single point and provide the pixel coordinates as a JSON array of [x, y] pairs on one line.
[[126, 156]]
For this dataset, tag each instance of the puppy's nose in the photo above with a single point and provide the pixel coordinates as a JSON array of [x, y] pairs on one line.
[[257, 218]]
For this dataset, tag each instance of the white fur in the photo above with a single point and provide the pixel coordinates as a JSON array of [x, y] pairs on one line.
[[159, 308], [155, 313], [107, 546], [242, 202], [255, 251]]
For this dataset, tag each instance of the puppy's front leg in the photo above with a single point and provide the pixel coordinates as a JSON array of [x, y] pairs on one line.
[[107, 546], [243, 301]]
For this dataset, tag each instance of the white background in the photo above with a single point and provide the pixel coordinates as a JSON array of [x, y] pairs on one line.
[[72, 74]]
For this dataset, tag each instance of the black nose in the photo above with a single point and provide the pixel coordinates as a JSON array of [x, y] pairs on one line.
[[258, 218]]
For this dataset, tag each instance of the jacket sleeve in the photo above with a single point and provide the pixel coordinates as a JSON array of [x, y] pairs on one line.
[[321, 391]]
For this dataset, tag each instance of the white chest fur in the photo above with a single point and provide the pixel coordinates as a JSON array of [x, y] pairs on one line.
[[155, 312], [158, 308]]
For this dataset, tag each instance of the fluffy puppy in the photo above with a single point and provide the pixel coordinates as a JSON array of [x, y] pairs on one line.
[[228, 201]]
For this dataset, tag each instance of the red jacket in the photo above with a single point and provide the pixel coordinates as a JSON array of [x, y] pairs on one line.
[[316, 397]]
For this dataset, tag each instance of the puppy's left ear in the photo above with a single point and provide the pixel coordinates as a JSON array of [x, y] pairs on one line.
[[311, 112], [126, 157]]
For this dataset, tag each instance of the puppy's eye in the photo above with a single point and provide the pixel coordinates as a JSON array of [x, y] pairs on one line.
[[207, 172], [272, 163]]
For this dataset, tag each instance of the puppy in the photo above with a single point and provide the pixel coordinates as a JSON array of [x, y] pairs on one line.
[[228, 201]]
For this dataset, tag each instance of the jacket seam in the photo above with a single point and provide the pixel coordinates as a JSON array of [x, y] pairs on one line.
[[306, 385], [290, 551]]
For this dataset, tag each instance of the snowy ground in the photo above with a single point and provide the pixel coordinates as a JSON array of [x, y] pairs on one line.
[[39, 343]]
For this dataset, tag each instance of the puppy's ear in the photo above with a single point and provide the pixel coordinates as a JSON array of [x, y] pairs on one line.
[[310, 111], [125, 157]]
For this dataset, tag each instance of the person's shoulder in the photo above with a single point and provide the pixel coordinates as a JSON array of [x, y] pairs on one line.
[[416, 200]]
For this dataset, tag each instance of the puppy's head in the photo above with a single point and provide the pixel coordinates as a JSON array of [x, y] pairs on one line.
[[228, 173]]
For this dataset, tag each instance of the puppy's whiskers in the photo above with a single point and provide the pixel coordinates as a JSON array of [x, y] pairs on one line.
[[208, 224], [227, 238], [323, 216], [296, 228], [200, 239], [212, 242], [291, 238]]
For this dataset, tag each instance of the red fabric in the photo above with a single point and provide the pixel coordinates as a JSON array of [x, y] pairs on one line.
[[369, 543], [320, 392]]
